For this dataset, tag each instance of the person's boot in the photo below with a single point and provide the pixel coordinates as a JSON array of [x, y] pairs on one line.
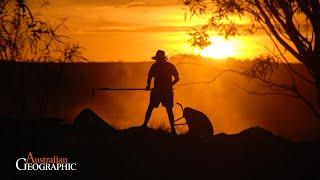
[[144, 125], [173, 131]]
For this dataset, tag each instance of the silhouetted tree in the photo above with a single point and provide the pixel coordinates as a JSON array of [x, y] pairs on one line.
[[292, 25], [25, 37]]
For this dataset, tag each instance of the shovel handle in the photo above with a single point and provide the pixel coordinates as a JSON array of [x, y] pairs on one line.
[[120, 89], [93, 91]]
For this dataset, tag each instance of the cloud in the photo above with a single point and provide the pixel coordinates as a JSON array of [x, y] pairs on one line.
[[137, 4], [163, 29], [104, 22], [140, 29], [128, 3]]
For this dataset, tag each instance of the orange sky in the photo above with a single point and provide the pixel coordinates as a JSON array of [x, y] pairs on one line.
[[127, 30]]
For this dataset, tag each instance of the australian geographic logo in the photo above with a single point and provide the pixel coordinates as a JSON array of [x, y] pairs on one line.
[[54, 163]]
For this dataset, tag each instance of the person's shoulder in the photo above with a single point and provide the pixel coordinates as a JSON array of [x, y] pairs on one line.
[[153, 64], [170, 64]]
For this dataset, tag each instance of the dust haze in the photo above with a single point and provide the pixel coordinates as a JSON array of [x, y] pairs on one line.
[[229, 108]]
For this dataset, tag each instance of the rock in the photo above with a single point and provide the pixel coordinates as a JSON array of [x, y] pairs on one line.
[[256, 131], [89, 120]]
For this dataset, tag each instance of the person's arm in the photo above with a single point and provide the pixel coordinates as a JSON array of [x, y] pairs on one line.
[[148, 82], [175, 75], [150, 75], [176, 79]]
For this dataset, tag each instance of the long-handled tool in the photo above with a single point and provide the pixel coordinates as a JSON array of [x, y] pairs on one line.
[[93, 92]]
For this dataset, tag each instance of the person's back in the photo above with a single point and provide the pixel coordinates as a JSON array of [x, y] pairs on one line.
[[162, 71]]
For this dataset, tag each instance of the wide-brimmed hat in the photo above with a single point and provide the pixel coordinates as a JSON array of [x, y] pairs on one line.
[[160, 55]]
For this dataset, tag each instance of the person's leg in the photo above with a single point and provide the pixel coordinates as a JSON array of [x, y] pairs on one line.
[[153, 102], [147, 116], [171, 120]]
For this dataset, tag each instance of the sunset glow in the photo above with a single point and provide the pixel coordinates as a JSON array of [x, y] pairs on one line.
[[220, 48], [124, 31]]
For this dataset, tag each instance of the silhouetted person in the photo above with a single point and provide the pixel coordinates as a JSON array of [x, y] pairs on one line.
[[162, 92]]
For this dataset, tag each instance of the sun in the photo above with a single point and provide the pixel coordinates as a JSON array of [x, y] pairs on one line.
[[220, 48]]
